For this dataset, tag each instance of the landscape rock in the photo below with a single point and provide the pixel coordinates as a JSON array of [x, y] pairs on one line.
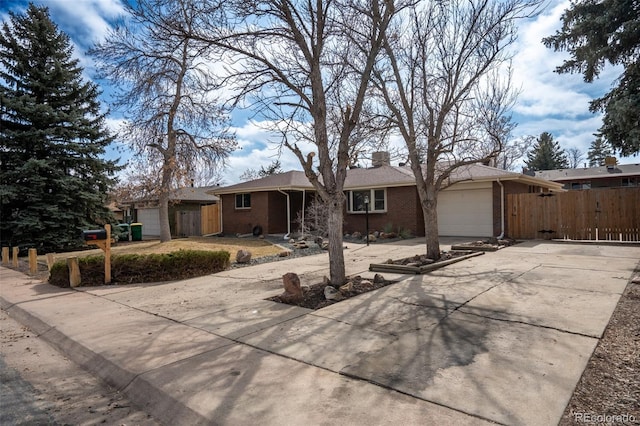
[[377, 279], [348, 287], [372, 238], [356, 235], [365, 285], [325, 245], [243, 256], [301, 245], [331, 293], [292, 288], [284, 253]]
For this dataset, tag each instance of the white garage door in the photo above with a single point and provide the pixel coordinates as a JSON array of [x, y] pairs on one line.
[[465, 213], [150, 219]]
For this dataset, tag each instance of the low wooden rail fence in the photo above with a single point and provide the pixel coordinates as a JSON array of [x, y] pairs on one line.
[[594, 214]]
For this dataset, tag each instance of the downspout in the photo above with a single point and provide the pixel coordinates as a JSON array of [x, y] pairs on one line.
[[304, 193], [501, 236], [286, 237]]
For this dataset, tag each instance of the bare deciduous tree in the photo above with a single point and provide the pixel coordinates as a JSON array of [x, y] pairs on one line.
[[307, 66], [441, 80], [166, 84], [575, 156]]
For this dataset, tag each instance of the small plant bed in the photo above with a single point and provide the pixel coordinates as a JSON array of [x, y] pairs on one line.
[[321, 295], [491, 244], [420, 264]]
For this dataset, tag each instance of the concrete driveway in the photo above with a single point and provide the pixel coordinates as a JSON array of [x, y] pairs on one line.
[[500, 338]]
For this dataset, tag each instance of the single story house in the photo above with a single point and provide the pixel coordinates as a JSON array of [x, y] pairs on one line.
[[473, 204], [608, 176], [188, 213]]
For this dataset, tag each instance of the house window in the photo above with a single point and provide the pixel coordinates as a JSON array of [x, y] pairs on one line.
[[377, 200], [581, 185], [629, 181], [243, 201]]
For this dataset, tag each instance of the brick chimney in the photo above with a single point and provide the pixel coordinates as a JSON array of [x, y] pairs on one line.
[[380, 158]]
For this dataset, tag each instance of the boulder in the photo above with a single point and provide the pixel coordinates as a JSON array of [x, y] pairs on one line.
[[356, 235], [331, 293], [372, 238], [284, 253], [348, 287], [366, 285], [325, 245], [292, 288], [377, 278], [243, 256]]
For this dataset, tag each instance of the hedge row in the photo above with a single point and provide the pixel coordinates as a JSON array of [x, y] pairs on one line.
[[141, 268]]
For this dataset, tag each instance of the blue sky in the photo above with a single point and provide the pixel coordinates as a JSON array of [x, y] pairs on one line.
[[548, 102]]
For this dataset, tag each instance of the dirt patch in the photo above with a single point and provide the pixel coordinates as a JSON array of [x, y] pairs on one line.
[[314, 295], [609, 389]]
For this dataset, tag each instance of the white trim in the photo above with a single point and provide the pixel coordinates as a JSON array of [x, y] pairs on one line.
[[372, 201]]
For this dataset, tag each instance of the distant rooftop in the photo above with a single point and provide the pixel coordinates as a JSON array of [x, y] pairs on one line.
[[560, 175]]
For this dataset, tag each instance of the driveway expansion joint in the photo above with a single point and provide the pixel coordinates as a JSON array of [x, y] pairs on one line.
[[547, 327]]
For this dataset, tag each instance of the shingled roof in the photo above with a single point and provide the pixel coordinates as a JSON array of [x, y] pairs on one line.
[[561, 175], [382, 176]]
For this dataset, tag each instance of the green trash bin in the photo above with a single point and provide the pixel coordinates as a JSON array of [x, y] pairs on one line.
[[136, 232]]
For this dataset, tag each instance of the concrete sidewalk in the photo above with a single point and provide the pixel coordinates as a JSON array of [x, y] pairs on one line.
[[501, 338]]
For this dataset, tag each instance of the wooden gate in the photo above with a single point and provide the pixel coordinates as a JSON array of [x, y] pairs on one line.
[[188, 223], [210, 219], [593, 214]]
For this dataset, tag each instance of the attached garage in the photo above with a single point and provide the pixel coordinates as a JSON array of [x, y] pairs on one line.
[[466, 210], [150, 219]]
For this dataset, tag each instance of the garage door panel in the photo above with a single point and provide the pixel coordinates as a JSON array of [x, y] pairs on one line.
[[150, 219], [466, 213]]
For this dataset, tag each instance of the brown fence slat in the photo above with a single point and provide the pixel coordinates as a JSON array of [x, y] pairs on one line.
[[210, 217], [611, 213]]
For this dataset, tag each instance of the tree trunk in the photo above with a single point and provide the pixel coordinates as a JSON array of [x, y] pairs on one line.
[[430, 212], [336, 253], [165, 229], [165, 190]]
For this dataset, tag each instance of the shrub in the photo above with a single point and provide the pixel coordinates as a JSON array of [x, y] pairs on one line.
[[404, 233], [140, 268]]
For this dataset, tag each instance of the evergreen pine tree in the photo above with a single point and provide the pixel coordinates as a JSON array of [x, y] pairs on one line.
[[546, 154], [54, 181], [598, 151]]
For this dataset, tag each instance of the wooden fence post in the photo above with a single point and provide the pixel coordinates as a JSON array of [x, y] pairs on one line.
[[50, 260], [107, 256], [16, 251], [74, 272], [5, 255], [33, 261]]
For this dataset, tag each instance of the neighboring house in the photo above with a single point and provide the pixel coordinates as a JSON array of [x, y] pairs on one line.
[[192, 212], [473, 204], [611, 176]]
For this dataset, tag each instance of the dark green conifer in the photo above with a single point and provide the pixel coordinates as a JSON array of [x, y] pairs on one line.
[[54, 179]]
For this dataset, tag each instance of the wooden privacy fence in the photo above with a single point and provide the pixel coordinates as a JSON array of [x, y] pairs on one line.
[[593, 214], [205, 221], [210, 219]]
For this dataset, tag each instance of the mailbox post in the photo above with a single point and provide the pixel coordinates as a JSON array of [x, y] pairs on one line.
[[102, 239]]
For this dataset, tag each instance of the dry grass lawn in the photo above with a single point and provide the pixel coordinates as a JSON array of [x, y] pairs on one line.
[[257, 247]]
